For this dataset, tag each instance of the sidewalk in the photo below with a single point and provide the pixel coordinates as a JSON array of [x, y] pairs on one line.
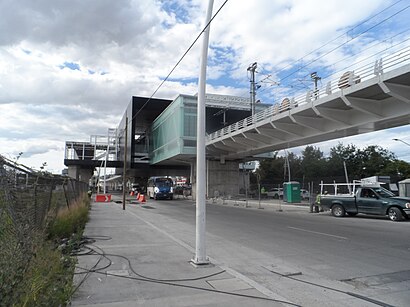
[[134, 263]]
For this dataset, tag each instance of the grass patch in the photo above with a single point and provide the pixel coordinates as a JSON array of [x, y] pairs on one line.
[[70, 220], [47, 278]]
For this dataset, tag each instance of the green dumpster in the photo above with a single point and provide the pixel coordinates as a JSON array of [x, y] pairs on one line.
[[291, 192]]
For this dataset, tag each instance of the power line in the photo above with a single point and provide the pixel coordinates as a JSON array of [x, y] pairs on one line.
[[331, 41], [348, 41], [365, 59], [295, 84], [180, 60]]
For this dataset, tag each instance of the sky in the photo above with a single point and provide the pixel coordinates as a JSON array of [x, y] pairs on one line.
[[68, 69]]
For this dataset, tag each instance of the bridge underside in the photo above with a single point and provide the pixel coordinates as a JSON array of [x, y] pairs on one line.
[[379, 103]]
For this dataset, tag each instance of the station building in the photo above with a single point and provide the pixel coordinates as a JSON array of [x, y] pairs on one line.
[[157, 137]]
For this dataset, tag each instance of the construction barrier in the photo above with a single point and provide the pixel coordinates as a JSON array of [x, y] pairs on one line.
[[101, 198], [142, 199]]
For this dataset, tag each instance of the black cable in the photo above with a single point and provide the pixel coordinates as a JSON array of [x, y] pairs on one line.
[[105, 255], [86, 276], [170, 282], [200, 288], [142, 278], [362, 297], [151, 278]]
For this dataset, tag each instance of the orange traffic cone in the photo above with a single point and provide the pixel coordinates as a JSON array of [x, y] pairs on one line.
[[132, 193], [142, 198], [138, 196]]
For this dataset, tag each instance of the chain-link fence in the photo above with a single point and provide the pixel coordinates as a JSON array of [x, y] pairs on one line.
[[29, 201]]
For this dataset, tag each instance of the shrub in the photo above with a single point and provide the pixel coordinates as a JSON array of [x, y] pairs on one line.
[[70, 220], [48, 279]]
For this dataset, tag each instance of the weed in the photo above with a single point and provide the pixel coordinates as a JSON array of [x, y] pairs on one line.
[[45, 277], [70, 220]]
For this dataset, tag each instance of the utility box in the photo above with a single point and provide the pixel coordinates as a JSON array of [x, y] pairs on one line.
[[291, 192], [404, 188]]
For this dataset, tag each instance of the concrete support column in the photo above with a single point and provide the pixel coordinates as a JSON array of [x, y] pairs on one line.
[[79, 173], [224, 179]]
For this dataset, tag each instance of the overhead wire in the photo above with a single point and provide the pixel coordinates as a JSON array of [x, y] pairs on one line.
[[365, 59], [333, 40], [343, 44], [180, 60], [357, 62], [341, 35], [292, 85]]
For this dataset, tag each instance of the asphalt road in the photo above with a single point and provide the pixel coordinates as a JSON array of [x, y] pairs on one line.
[[310, 259]]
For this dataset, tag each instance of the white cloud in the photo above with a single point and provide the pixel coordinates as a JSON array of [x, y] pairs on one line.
[[127, 47]]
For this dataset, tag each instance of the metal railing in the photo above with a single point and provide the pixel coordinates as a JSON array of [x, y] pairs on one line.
[[348, 79]]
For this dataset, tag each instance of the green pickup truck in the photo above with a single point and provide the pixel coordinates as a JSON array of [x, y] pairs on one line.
[[368, 200]]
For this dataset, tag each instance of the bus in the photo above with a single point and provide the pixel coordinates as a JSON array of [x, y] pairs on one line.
[[160, 187]]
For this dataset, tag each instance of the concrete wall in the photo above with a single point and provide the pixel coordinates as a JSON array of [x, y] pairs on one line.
[[222, 179]]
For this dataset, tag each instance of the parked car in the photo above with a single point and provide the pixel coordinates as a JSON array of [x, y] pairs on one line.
[[304, 194], [275, 193], [368, 200]]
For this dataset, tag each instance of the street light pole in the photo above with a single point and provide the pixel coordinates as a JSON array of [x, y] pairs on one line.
[[200, 248], [401, 141]]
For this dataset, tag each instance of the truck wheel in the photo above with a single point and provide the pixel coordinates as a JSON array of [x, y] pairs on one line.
[[395, 214], [338, 211]]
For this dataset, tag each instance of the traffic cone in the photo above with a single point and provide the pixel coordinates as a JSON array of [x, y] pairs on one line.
[[142, 198], [138, 196], [132, 193]]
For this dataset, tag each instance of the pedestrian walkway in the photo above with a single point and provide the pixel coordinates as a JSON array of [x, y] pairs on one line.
[[130, 262]]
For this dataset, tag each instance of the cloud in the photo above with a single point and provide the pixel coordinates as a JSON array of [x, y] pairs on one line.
[[69, 69]]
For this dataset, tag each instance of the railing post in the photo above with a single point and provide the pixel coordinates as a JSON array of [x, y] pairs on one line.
[[329, 88], [309, 96]]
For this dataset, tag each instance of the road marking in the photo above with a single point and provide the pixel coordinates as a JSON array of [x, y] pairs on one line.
[[318, 233]]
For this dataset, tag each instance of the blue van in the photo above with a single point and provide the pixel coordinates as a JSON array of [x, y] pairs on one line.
[[160, 187]]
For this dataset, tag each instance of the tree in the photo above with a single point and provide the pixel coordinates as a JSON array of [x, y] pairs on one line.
[[312, 163], [397, 170], [373, 160], [313, 166], [271, 170], [275, 171], [340, 154]]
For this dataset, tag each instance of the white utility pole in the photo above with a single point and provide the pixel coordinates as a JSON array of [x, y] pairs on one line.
[[200, 249]]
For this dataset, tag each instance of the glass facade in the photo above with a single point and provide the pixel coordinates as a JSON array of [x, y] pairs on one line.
[[174, 131]]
